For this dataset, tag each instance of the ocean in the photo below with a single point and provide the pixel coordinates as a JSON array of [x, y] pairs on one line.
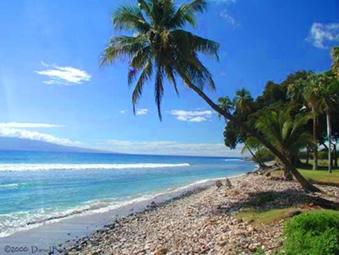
[[38, 187]]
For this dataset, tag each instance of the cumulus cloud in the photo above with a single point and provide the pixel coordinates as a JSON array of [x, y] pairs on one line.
[[171, 148], [27, 125], [66, 75], [322, 34], [141, 111], [228, 18], [191, 116]]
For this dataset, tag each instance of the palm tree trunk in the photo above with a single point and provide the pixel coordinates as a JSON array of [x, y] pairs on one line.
[[329, 136], [307, 155], [289, 166], [315, 140], [335, 154]]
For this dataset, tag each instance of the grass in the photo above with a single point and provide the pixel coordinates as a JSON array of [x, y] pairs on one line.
[[257, 217], [321, 176]]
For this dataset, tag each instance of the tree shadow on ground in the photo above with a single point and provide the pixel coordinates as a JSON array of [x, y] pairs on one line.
[[267, 200]]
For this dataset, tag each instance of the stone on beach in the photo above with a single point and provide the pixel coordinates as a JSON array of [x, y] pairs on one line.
[[203, 222]]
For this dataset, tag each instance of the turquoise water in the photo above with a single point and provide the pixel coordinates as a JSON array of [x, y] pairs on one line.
[[36, 187]]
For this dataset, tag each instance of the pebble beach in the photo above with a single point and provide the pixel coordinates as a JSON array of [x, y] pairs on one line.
[[205, 221]]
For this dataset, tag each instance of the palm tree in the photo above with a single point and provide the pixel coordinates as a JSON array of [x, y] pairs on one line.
[[243, 100], [285, 131], [327, 89], [158, 47], [335, 61], [304, 90]]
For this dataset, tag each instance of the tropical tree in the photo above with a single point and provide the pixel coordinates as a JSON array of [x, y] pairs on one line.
[[286, 131], [304, 90], [226, 104], [243, 100], [326, 87], [158, 47], [335, 61]]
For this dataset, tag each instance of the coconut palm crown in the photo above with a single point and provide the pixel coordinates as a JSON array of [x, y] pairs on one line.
[[159, 48]]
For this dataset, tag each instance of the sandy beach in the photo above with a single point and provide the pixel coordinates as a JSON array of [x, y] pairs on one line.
[[204, 221]]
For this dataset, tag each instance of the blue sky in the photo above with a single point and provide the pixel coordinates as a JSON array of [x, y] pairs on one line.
[[52, 88]]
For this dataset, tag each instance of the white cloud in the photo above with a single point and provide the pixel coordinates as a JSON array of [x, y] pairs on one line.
[[142, 111], [225, 1], [191, 116], [123, 111], [320, 34], [228, 18], [22, 130], [63, 75], [34, 135], [171, 148], [27, 125]]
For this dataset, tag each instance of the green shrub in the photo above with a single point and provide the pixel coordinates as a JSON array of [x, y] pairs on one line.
[[314, 233]]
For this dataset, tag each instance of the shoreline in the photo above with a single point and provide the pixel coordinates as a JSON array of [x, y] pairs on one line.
[[205, 222], [58, 234]]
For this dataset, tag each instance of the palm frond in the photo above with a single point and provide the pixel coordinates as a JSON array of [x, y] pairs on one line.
[[130, 18], [170, 73], [159, 90], [145, 75], [187, 42], [122, 46]]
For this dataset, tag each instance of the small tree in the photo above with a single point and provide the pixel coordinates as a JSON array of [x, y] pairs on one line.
[[286, 131]]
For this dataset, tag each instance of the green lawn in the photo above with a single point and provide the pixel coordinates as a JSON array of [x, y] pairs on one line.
[[321, 176], [257, 217]]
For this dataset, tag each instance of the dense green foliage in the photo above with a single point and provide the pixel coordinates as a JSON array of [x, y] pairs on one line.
[[294, 115], [313, 233]]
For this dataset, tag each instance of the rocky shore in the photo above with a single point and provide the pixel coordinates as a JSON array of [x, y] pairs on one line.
[[205, 222]]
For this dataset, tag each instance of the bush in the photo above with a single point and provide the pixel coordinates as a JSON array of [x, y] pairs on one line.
[[313, 233]]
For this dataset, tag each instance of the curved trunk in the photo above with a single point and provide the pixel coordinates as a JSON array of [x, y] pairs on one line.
[[315, 140], [329, 135], [289, 166]]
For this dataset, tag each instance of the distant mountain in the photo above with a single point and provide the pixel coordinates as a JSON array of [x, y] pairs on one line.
[[18, 144]]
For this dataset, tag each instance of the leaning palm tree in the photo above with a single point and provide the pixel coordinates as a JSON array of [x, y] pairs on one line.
[[159, 48]]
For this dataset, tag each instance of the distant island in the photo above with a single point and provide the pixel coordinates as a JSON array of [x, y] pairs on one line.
[[20, 144]]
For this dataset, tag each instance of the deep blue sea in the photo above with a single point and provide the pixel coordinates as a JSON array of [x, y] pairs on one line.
[[36, 187]]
